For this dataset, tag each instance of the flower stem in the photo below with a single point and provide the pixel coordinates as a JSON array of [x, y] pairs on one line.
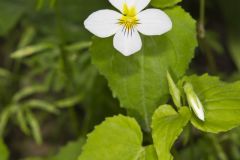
[[201, 25], [204, 47]]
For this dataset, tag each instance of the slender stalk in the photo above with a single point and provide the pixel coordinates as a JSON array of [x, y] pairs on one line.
[[201, 25], [205, 48]]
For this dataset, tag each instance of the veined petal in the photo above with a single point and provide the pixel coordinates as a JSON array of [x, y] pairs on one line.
[[126, 42], [141, 4], [118, 4], [138, 4], [153, 22], [103, 23]]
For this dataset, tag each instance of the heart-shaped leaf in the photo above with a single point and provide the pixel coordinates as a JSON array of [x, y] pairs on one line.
[[116, 138], [139, 81]]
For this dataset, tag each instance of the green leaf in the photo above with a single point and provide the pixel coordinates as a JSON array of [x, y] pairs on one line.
[[5, 116], [41, 104], [21, 120], [30, 50], [139, 81], [69, 101], [27, 37], [116, 138], [71, 151], [164, 3], [35, 127], [78, 46], [10, 13], [167, 125], [4, 154], [28, 91], [221, 103]]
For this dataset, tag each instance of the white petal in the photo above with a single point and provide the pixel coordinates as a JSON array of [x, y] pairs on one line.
[[127, 43], [154, 22], [139, 4], [103, 23]]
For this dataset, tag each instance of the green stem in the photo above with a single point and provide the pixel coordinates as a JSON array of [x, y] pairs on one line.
[[201, 27], [202, 41]]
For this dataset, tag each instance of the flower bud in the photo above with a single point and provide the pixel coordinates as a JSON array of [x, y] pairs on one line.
[[194, 102]]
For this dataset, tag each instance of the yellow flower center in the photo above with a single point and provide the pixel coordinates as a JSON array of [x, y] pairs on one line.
[[129, 19]]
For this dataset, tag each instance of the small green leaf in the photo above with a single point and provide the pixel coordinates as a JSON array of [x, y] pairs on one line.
[[167, 125], [27, 91], [30, 50], [4, 117], [69, 102], [35, 127], [27, 37], [41, 104], [220, 101], [117, 138], [140, 81], [4, 153], [164, 3], [21, 120], [78, 46]]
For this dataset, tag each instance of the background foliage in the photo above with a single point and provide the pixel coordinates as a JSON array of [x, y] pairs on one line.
[[51, 95]]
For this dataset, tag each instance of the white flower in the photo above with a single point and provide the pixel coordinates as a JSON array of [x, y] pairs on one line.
[[127, 24]]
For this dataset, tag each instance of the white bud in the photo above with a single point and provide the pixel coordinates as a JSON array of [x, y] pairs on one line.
[[194, 101]]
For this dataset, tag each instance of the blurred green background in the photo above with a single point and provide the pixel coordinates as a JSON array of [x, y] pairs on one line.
[[51, 95]]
